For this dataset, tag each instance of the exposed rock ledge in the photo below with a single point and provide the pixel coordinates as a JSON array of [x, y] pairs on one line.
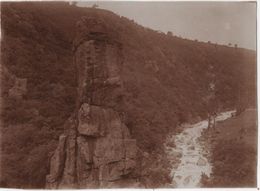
[[96, 149]]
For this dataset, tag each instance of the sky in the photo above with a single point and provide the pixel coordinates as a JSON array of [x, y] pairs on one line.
[[218, 22]]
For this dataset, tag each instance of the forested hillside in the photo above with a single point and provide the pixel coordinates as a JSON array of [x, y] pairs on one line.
[[165, 81]]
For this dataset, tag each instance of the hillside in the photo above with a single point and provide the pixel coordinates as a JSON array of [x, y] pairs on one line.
[[234, 148], [165, 83]]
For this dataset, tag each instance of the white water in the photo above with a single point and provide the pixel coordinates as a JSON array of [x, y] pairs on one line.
[[191, 152]]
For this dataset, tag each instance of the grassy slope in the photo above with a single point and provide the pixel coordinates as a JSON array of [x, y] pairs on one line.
[[234, 148], [165, 80]]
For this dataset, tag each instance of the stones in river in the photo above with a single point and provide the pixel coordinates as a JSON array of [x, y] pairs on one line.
[[179, 177], [170, 144], [190, 162], [191, 148], [185, 133], [190, 142], [181, 139], [201, 162], [191, 153], [174, 183], [176, 154], [187, 180]]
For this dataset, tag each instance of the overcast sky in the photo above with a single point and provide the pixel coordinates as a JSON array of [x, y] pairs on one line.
[[220, 22]]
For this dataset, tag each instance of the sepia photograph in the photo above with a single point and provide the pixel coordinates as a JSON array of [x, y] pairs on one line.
[[128, 94]]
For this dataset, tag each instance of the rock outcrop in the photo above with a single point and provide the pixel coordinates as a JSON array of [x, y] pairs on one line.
[[96, 149]]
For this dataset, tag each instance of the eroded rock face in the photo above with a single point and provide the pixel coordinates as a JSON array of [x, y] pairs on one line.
[[96, 149], [57, 162]]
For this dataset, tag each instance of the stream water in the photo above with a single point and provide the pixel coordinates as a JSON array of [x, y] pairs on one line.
[[191, 154]]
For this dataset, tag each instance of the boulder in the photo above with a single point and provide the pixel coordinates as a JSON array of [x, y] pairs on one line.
[[187, 180], [201, 162], [176, 154], [170, 144], [192, 147]]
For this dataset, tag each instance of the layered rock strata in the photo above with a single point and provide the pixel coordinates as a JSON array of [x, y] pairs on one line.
[[96, 149]]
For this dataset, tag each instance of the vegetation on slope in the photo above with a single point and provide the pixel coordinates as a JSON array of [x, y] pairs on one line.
[[165, 80], [234, 152]]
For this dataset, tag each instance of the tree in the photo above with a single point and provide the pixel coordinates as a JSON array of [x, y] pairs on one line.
[[95, 6], [73, 3], [212, 103], [169, 33]]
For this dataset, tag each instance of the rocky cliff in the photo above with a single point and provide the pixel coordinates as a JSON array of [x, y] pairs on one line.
[[96, 149]]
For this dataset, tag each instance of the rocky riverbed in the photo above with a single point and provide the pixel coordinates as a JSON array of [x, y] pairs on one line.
[[190, 157]]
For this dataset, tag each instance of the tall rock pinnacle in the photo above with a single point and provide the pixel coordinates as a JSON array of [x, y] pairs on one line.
[[96, 149]]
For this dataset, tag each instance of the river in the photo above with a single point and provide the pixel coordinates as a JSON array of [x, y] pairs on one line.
[[191, 153]]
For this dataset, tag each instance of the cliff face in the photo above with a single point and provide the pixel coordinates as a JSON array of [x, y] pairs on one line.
[[96, 149]]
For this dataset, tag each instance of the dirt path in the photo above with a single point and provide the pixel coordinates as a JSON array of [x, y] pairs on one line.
[[191, 154]]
